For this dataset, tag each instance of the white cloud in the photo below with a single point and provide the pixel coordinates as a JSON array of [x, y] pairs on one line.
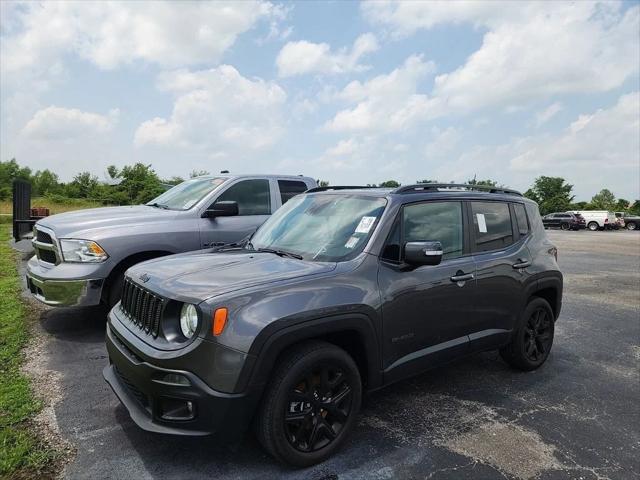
[[548, 113], [443, 143], [302, 57], [110, 34], [64, 124], [387, 102], [531, 50], [599, 149], [216, 109]]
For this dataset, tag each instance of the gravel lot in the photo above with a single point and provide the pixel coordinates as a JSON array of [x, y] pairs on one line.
[[577, 417]]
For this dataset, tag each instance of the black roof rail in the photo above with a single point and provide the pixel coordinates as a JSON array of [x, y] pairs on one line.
[[437, 187], [337, 187]]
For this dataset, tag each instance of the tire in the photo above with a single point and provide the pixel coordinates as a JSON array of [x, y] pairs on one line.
[[315, 387], [115, 289], [593, 226], [565, 226], [631, 226], [533, 337]]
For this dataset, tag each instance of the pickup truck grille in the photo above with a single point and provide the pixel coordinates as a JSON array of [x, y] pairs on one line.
[[45, 247], [142, 307]]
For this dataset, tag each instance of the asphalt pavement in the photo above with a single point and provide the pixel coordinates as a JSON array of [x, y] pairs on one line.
[[577, 417]]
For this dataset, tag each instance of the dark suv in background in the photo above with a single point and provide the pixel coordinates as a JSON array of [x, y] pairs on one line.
[[341, 292], [564, 221]]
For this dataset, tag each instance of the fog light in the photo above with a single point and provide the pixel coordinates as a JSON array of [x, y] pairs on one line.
[[176, 409]]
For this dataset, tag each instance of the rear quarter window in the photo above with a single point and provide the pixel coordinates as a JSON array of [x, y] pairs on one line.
[[492, 225], [521, 219]]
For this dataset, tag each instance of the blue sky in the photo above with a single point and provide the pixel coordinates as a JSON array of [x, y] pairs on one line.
[[343, 91]]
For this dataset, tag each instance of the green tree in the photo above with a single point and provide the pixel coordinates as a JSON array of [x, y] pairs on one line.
[[198, 173], [634, 209], [140, 182], [390, 184], [113, 171], [603, 200], [45, 182], [621, 205], [83, 185], [173, 180], [551, 193], [10, 171], [579, 206], [322, 183], [488, 182]]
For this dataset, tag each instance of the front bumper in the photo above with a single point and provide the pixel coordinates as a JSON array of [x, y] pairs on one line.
[[59, 292], [143, 390]]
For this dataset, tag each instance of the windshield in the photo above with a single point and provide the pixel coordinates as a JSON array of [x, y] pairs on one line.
[[186, 194], [328, 228]]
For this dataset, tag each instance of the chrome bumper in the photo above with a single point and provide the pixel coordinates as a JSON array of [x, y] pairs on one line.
[[63, 293]]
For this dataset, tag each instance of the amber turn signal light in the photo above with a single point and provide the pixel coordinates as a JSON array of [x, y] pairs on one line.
[[219, 320]]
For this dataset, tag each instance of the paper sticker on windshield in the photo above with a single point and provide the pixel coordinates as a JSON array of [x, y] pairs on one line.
[[365, 224], [352, 242], [482, 223]]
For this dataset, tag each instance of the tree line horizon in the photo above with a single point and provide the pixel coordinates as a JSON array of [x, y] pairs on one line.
[[139, 183]]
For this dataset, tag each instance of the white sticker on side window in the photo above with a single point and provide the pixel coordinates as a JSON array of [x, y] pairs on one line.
[[365, 224], [482, 223]]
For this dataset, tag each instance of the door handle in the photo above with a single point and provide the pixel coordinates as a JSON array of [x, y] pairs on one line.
[[462, 277], [522, 263]]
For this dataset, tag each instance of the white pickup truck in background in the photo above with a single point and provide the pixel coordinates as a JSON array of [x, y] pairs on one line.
[[598, 219]]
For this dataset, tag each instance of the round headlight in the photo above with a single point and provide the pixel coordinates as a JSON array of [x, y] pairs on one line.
[[188, 320]]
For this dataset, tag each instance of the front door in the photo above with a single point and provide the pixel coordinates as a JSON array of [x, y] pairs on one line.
[[425, 310], [254, 207]]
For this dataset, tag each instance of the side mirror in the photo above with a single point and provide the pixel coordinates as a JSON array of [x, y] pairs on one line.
[[423, 253], [225, 208]]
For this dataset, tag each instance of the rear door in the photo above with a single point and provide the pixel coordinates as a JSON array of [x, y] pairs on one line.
[[426, 309], [254, 206], [290, 188], [499, 243]]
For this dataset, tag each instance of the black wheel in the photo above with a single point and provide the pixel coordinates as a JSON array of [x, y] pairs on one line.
[[310, 404], [631, 226], [564, 226], [593, 226], [533, 337]]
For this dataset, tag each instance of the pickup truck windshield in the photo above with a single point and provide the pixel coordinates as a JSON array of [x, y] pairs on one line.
[[329, 228], [186, 194]]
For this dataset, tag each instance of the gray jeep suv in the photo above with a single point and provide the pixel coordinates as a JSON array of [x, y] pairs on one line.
[[341, 292], [81, 256]]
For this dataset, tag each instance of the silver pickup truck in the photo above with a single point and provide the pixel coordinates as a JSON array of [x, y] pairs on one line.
[[80, 257]]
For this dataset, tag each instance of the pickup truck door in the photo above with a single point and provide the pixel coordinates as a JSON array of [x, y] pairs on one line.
[[255, 200]]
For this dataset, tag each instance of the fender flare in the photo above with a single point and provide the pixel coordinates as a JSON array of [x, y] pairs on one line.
[[273, 340]]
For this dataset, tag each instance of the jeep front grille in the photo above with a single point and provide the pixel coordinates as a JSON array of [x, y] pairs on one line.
[[142, 307]]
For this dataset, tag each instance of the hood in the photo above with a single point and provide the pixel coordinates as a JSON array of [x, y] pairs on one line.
[[198, 276], [65, 224]]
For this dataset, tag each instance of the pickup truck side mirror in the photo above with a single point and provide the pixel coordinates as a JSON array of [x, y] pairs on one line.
[[224, 208], [423, 253]]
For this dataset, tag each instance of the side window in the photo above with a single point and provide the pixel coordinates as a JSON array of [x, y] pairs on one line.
[[492, 225], [290, 188], [521, 218], [252, 196], [441, 221]]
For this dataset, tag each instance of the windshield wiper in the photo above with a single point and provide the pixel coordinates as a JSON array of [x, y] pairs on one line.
[[158, 205], [281, 253]]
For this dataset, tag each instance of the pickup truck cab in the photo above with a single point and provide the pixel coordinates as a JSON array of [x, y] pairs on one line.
[[80, 257]]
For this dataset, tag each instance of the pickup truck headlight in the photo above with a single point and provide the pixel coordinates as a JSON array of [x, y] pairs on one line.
[[188, 320], [83, 251]]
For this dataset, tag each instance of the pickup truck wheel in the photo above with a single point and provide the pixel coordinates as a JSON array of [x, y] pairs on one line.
[[631, 226], [310, 405], [532, 340], [593, 226]]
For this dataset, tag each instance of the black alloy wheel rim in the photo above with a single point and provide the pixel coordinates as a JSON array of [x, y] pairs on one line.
[[538, 335], [317, 408]]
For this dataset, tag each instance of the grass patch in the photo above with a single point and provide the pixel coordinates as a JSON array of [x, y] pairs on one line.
[[54, 205], [22, 453]]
